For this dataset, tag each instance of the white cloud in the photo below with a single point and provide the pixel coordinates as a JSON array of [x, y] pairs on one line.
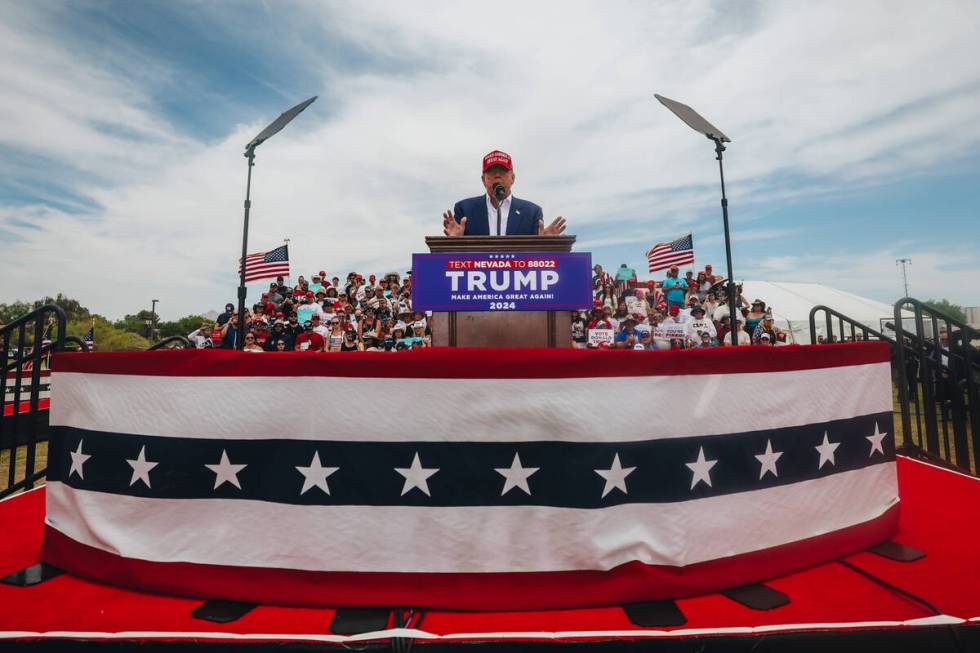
[[823, 91], [952, 274]]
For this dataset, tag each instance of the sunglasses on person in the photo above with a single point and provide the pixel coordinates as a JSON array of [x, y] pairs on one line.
[[247, 338], [335, 323]]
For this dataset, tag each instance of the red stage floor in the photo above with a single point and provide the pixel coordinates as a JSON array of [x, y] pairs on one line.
[[940, 515]]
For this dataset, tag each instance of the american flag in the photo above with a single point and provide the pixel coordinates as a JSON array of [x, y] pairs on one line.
[[526, 498], [677, 252], [267, 265], [90, 338]]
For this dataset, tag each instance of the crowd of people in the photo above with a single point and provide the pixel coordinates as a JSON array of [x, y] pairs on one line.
[[679, 312], [323, 315], [375, 313]]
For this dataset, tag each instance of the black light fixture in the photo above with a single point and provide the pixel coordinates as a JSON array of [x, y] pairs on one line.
[[267, 133], [697, 122]]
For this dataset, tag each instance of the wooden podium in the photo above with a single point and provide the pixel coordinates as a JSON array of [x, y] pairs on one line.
[[505, 328]]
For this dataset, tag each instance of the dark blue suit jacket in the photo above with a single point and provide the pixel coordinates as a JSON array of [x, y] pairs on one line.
[[521, 221]]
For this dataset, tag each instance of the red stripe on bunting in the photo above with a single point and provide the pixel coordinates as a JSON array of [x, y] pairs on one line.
[[466, 363], [25, 407], [627, 583]]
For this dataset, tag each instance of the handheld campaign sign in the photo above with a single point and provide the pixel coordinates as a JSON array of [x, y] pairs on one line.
[[601, 337], [482, 281]]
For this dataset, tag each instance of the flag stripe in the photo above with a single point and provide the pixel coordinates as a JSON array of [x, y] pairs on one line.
[[468, 473], [266, 265], [490, 363], [677, 252], [339, 538], [745, 402], [506, 591]]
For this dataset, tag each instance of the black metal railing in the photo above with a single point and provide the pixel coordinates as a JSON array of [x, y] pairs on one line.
[[25, 345], [858, 330], [939, 383], [173, 342], [936, 372]]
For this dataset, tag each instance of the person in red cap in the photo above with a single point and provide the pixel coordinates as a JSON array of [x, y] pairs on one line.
[[477, 216]]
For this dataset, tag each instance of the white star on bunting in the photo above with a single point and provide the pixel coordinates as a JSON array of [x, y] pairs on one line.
[[875, 439], [416, 476], [827, 449], [701, 469], [615, 476], [516, 476], [315, 475], [77, 460], [768, 460], [141, 468], [225, 471]]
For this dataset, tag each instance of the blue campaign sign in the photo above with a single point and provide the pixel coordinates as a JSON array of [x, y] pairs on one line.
[[483, 281]]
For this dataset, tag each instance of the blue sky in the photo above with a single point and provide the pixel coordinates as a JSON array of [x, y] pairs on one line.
[[122, 124]]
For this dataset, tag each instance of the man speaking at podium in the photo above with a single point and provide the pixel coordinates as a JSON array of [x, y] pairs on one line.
[[497, 212]]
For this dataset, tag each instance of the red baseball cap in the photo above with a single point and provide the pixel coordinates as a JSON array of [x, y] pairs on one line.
[[497, 158], [322, 273], [674, 309], [309, 293], [651, 284]]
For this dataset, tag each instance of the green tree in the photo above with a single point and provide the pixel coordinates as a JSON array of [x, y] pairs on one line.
[[180, 327], [135, 323], [947, 307], [107, 336], [14, 310], [72, 307]]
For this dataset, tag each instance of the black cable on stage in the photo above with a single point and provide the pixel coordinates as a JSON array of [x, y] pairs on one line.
[[888, 586], [905, 593]]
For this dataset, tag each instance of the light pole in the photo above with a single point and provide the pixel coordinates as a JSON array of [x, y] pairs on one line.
[[263, 136], [153, 319], [904, 262], [695, 121]]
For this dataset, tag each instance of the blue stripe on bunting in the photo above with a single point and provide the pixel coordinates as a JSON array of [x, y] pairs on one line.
[[366, 476]]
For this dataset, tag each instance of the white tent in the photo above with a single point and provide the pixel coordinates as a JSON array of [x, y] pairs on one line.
[[791, 304]]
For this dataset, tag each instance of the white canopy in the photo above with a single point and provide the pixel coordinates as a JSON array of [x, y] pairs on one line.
[[791, 304]]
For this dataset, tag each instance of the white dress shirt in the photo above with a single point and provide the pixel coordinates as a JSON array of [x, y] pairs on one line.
[[492, 215]]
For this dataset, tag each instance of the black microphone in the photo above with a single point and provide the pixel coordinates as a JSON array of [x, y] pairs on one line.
[[498, 193]]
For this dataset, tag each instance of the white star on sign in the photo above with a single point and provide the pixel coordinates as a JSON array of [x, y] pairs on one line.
[[875, 440], [701, 469], [516, 475], [768, 460], [141, 468], [827, 450], [225, 471], [77, 460], [615, 476], [315, 475], [416, 476]]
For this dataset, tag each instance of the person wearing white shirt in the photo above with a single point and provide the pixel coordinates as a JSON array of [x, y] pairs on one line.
[[699, 325]]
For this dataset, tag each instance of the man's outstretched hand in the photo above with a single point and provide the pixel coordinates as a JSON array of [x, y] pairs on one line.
[[554, 229], [452, 228]]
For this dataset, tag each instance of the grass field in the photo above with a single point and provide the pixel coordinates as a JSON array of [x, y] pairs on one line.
[[40, 462]]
